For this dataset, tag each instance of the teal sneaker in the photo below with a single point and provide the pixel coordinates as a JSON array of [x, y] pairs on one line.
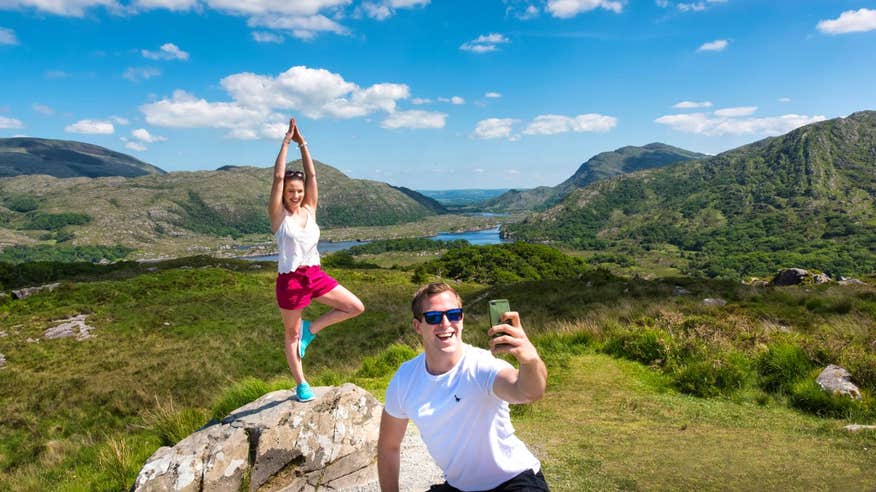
[[306, 338], [303, 392]]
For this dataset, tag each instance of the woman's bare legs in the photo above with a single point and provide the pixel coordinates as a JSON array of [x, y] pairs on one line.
[[292, 327], [344, 304]]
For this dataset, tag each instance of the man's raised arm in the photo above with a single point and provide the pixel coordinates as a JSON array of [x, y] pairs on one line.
[[392, 431]]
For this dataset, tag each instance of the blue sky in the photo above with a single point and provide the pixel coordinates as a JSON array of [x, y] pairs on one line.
[[428, 94]]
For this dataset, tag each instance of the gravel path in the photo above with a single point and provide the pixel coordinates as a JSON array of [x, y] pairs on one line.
[[418, 471]]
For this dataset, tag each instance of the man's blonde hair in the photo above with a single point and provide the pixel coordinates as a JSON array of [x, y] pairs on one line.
[[428, 291]]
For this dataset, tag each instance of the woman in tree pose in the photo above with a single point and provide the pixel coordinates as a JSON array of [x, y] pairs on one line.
[[300, 279]]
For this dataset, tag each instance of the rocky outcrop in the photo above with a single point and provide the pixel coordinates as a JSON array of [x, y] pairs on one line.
[[276, 443], [836, 380], [69, 328], [29, 291], [796, 276]]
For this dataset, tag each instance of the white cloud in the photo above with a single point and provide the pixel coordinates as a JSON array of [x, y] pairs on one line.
[[692, 104], [71, 8], [267, 37], [91, 127], [492, 95], [420, 100], [136, 74], [186, 111], [7, 36], [414, 119], [143, 135], [168, 51], [301, 27], [135, 146], [716, 45], [251, 113], [56, 74], [386, 9], [377, 11], [10, 123], [550, 124], [565, 9], [697, 6], [42, 108], [704, 124], [119, 120], [736, 112], [452, 100], [299, 8], [784, 99], [484, 43], [850, 21], [494, 128], [173, 5]]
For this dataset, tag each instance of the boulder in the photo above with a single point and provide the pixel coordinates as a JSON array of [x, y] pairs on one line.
[[276, 443], [790, 276], [714, 301], [68, 328], [29, 291], [836, 380], [2, 360], [859, 427]]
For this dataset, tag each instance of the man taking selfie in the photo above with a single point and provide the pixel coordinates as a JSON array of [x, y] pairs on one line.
[[458, 396]]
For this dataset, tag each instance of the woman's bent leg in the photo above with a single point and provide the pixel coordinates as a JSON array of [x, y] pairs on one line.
[[344, 304]]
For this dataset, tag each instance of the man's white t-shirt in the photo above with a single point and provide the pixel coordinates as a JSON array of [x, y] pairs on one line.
[[465, 426]]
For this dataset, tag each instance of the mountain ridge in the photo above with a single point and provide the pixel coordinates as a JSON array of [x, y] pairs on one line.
[[67, 159], [605, 165]]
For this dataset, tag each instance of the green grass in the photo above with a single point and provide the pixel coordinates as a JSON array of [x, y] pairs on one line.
[[198, 337]]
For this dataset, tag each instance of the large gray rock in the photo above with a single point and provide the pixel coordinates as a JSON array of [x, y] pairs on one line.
[[29, 291], [834, 379], [276, 443], [790, 276]]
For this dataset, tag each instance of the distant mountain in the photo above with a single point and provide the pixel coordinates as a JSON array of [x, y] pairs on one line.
[[601, 166], [424, 200], [807, 199], [462, 198], [187, 210], [67, 159]]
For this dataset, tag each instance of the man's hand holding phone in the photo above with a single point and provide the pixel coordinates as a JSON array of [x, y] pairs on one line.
[[507, 335]]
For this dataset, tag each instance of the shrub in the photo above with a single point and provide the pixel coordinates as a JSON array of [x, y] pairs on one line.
[[646, 345], [781, 366], [172, 425], [54, 222], [22, 203], [238, 395], [386, 362], [808, 396], [707, 378]]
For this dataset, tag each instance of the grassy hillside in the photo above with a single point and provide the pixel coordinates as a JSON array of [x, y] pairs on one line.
[[192, 338], [805, 199], [66, 159], [183, 212], [602, 166]]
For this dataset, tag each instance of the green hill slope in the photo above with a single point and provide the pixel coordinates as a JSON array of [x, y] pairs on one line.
[[601, 166], [803, 199], [67, 159], [182, 211]]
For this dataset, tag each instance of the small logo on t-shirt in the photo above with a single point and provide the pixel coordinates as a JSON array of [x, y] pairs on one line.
[[457, 398]]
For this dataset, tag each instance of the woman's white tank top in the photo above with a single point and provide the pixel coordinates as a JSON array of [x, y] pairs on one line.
[[297, 245]]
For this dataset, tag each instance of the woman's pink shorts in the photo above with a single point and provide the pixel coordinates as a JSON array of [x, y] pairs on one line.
[[296, 289]]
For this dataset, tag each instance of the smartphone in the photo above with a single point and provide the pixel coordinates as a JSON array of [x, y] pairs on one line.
[[498, 307]]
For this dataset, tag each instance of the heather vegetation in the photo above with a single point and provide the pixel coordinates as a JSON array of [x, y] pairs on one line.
[[804, 199], [634, 365]]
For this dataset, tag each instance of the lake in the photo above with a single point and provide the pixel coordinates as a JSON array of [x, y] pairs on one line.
[[476, 238]]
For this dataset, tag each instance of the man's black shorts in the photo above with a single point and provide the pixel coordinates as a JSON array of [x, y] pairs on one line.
[[526, 481]]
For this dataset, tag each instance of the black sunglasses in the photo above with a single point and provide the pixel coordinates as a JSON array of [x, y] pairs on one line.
[[294, 173], [435, 317]]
